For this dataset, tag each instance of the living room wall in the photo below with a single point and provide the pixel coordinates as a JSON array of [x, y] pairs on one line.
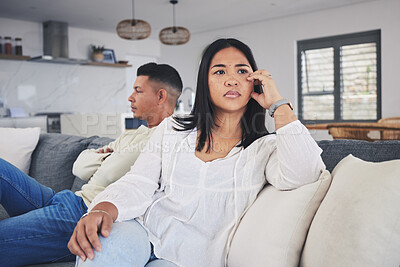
[[48, 87], [274, 44]]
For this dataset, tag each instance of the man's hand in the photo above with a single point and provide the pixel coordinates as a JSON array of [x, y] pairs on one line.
[[106, 150], [85, 236]]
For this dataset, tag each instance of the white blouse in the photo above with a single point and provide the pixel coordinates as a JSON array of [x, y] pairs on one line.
[[191, 208]]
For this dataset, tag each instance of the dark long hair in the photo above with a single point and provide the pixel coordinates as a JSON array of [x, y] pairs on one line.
[[202, 115]]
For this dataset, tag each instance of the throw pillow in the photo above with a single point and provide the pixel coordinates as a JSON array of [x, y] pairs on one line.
[[17, 145], [273, 231], [358, 223]]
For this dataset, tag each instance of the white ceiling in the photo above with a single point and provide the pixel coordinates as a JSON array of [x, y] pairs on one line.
[[196, 15]]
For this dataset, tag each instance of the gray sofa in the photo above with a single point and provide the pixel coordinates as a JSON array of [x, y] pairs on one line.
[[54, 155], [52, 162]]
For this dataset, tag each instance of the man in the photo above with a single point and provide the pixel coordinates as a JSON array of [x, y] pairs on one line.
[[42, 222]]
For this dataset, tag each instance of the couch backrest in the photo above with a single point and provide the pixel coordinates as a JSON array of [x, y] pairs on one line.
[[336, 150], [53, 158], [55, 154]]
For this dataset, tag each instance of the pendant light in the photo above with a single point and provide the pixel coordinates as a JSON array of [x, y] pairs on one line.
[[133, 29], [174, 35]]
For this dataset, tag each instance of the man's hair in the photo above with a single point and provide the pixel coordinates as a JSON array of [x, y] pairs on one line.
[[162, 73]]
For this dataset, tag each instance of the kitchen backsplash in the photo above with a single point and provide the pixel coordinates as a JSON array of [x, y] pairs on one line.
[[46, 87]]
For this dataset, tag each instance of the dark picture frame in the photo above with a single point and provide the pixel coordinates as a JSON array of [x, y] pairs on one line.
[[109, 56]]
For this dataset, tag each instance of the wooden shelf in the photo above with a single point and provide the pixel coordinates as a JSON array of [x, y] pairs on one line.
[[13, 57], [102, 64], [67, 61]]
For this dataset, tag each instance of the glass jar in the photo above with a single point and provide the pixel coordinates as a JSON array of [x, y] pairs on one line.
[[18, 46], [7, 45]]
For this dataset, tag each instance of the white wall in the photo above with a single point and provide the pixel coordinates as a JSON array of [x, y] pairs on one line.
[[274, 44], [30, 32], [79, 40], [47, 87]]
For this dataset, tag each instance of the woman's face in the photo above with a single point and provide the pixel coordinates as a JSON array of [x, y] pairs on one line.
[[227, 79]]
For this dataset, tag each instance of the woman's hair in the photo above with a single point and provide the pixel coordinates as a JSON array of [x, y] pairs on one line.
[[202, 115]]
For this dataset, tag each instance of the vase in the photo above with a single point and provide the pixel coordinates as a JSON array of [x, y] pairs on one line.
[[98, 57]]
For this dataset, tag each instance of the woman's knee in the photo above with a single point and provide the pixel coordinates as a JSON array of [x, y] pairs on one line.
[[127, 245], [161, 263]]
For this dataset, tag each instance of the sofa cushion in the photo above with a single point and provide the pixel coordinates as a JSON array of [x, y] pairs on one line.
[[53, 158], [273, 231], [17, 145], [358, 222], [335, 150]]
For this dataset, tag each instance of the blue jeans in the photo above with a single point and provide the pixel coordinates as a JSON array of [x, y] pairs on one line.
[[41, 222], [127, 245]]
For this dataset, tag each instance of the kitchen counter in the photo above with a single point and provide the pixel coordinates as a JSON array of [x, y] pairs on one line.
[[24, 122]]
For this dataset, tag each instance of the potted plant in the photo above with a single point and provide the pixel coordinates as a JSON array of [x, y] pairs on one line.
[[97, 53]]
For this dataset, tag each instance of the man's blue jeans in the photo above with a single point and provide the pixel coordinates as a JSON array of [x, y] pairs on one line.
[[41, 222]]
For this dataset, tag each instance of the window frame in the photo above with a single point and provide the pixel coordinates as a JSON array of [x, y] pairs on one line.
[[336, 42]]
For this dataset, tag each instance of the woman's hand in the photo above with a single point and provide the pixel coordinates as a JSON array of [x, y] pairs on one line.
[[270, 94], [85, 237], [284, 114]]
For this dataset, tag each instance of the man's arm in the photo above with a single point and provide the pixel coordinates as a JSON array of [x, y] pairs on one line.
[[109, 167], [116, 165], [90, 160]]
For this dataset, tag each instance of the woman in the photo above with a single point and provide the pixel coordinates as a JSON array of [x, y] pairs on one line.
[[199, 174]]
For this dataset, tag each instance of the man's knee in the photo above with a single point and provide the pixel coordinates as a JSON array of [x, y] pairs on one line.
[[3, 165], [6, 168]]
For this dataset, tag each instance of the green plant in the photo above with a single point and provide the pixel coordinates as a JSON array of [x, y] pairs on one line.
[[97, 49]]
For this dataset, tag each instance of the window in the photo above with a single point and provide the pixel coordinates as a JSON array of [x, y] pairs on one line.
[[339, 78]]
